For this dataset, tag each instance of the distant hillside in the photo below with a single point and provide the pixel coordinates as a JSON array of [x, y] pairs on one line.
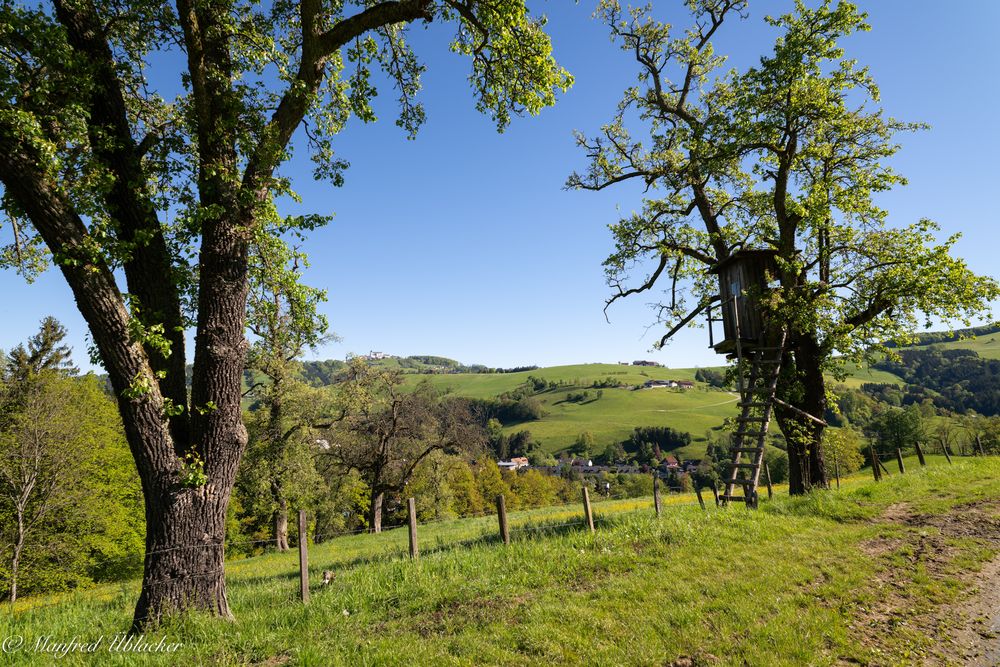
[[611, 408], [609, 418], [935, 337], [321, 373]]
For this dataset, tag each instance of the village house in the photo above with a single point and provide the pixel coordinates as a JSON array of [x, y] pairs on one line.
[[660, 384], [516, 463]]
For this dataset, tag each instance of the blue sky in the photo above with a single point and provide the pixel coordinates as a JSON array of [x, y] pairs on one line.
[[463, 242]]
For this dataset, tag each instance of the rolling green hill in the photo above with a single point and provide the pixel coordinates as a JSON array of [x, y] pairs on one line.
[[612, 417], [987, 346]]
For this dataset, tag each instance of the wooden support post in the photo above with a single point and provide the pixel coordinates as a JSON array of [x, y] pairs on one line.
[[701, 501], [875, 462], [884, 469], [414, 549], [920, 455], [899, 460], [836, 469], [715, 492], [502, 517], [586, 510], [767, 478], [303, 558], [656, 493], [979, 445], [944, 448]]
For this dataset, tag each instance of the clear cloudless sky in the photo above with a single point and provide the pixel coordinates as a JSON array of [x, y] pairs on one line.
[[463, 243]]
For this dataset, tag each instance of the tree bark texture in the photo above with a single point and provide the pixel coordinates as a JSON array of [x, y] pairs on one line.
[[185, 555], [802, 384], [375, 512], [281, 525]]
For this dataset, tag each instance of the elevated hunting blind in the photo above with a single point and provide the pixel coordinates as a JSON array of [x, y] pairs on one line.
[[743, 281]]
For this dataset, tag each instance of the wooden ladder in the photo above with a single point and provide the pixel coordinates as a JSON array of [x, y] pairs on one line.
[[757, 397]]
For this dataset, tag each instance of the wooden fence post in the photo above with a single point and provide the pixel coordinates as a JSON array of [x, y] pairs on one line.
[[979, 445], [656, 493], [944, 448], [899, 460], [303, 558], [502, 517], [836, 468], [920, 455], [767, 477], [697, 492], [875, 462], [586, 510], [414, 549]]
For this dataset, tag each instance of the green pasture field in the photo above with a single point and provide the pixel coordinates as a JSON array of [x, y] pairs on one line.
[[793, 583]]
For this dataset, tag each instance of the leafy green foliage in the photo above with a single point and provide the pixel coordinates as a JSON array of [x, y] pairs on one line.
[[789, 155], [896, 428], [70, 502], [786, 147], [960, 379], [844, 448]]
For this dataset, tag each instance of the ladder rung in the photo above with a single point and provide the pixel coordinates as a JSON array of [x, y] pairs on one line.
[[746, 450], [752, 434], [745, 465], [752, 404], [731, 498], [750, 419]]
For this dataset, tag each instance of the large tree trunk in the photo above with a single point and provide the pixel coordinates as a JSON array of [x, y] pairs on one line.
[[375, 512], [185, 554], [803, 386]]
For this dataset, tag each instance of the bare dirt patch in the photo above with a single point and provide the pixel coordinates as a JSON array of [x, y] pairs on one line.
[[977, 634], [963, 632]]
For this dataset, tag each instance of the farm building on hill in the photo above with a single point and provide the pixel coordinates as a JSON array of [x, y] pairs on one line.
[[660, 384], [516, 463]]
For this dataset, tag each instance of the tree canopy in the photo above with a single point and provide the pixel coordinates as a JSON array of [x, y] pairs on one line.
[[140, 152], [788, 155]]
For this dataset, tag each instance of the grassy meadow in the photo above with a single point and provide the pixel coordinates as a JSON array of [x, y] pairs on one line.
[[987, 346], [793, 583], [612, 417]]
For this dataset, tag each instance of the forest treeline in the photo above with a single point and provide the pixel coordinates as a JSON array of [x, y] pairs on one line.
[[957, 380]]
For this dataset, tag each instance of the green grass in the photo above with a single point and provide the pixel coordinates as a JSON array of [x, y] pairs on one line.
[[488, 385], [859, 375], [988, 346], [786, 585], [612, 418]]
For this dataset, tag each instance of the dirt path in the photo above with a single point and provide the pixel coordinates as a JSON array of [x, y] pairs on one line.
[[965, 631], [977, 635]]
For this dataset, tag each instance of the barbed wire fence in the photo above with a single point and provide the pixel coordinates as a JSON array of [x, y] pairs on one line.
[[525, 529]]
